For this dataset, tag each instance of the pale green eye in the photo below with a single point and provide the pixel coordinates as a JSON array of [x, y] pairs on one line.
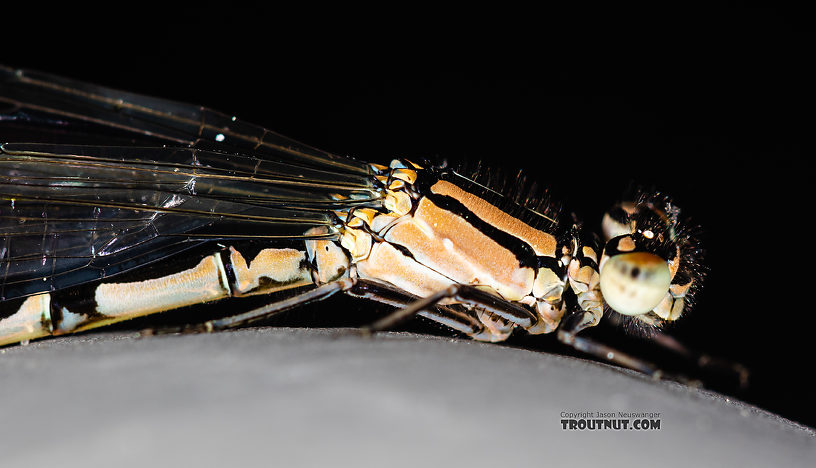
[[634, 283]]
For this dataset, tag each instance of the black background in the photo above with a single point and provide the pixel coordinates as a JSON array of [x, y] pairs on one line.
[[709, 106]]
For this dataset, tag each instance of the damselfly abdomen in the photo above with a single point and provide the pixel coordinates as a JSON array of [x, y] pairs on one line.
[[81, 223]]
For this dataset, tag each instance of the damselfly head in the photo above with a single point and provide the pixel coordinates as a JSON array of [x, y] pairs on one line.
[[649, 265]]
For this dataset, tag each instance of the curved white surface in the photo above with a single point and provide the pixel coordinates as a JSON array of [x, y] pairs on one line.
[[306, 397]]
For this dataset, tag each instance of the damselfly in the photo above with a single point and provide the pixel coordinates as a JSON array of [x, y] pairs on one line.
[[82, 224]]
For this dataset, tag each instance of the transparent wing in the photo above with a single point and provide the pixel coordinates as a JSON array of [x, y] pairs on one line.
[[73, 214], [29, 98]]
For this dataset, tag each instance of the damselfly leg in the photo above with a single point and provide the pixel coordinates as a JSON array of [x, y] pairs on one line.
[[568, 334], [466, 295], [448, 317], [318, 294], [455, 320], [461, 321], [701, 361]]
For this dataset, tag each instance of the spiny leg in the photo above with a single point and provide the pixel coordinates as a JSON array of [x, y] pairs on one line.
[[460, 321], [581, 320], [567, 334], [468, 295], [703, 361], [603, 351], [456, 320], [318, 294], [700, 360]]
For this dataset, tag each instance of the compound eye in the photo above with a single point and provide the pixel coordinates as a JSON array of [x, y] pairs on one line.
[[634, 283], [617, 221]]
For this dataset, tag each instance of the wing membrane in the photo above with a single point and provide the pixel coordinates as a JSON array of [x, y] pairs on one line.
[[73, 214], [53, 101]]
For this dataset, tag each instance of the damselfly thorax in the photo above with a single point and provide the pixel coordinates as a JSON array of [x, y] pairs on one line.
[[443, 242]]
